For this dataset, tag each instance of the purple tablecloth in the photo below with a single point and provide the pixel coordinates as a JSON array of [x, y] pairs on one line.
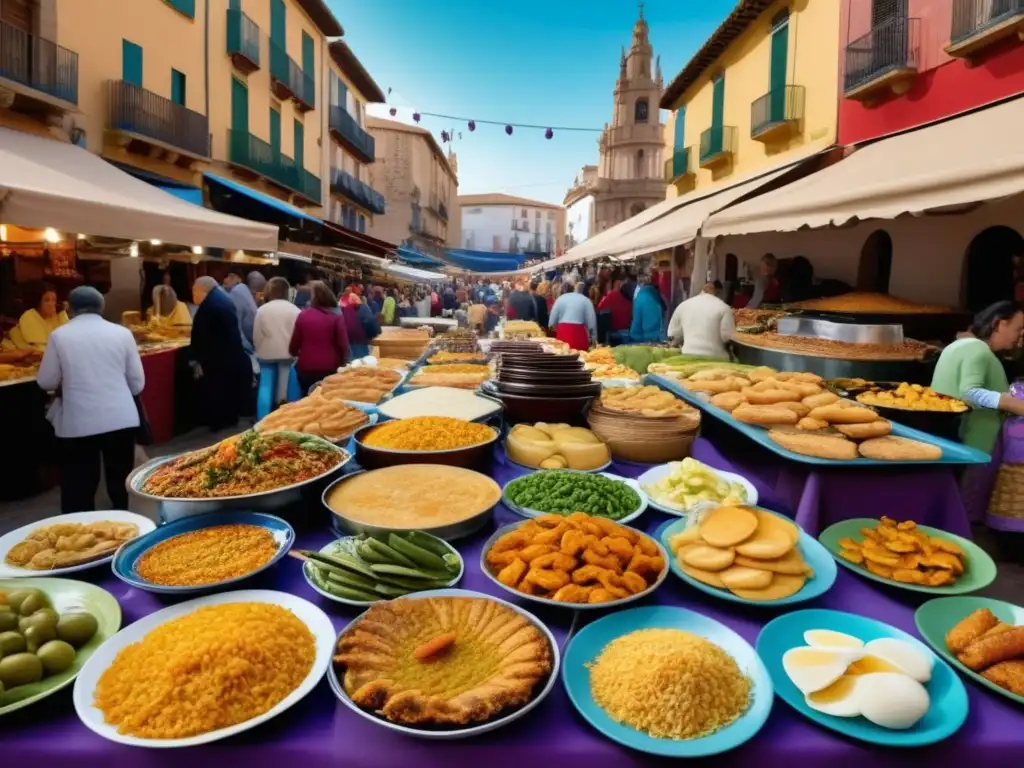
[[820, 496], [320, 731]]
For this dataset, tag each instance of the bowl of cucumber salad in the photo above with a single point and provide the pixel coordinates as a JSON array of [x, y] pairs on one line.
[[360, 570]]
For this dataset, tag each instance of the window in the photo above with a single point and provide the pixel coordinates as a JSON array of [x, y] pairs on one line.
[[718, 100], [639, 170], [275, 133], [474, 210], [131, 63], [679, 129], [300, 145], [778, 67], [178, 87], [308, 56], [551, 215], [536, 214], [640, 111], [362, 223], [186, 7], [525, 214]]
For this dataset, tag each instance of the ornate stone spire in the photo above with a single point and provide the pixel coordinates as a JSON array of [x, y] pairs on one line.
[[657, 71], [622, 64], [640, 31]]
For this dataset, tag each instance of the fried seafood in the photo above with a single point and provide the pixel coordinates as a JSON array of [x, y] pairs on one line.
[[903, 552], [442, 661], [1008, 675], [575, 559], [988, 651], [990, 647]]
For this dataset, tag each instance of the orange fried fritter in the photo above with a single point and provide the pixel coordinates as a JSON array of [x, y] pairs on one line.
[[536, 550], [855, 556], [1004, 646], [609, 561], [1008, 675], [588, 573], [556, 560], [552, 536], [969, 629], [634, 582], [513, 540], [600, 595], [513, 573], [648, 567], [547, 580], [572, 593], [501, 559], [620, 547], [549, 521]]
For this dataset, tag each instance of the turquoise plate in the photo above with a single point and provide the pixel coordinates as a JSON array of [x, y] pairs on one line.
[[587, 645], [947, 693], [816, 556]]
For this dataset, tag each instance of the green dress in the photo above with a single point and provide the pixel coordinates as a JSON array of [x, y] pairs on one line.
[[964, 365]]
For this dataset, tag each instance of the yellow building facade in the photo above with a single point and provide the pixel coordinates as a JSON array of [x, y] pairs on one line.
[[176, 88], [762, 88]]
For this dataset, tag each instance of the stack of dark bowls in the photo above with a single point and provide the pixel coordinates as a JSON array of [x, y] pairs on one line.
[[536, 386]]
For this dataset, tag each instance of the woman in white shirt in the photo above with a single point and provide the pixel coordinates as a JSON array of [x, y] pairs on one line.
[[271, 334], [95, 370], [705, 324]]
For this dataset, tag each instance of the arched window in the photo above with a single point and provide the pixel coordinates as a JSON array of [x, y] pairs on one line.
[[875, 266], [991, 267], [640, 111], [638, 171]]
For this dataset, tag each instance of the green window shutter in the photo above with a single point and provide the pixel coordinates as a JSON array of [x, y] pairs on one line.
[[178, 87], [239, 106], [187, 7], [275, 131], [234, 5], [308, 57], [680, 129], [277, 23], [342, 93], [718, 101], [779, 68], [131, 63], [300, 145]]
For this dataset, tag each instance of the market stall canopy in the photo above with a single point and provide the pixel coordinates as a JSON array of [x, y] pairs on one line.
[[484, 261], [684, 223], [412, 255], [47, 183], [964, 160]]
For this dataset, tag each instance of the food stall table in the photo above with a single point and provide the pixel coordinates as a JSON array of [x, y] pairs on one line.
[[158, 396], [319, 730]]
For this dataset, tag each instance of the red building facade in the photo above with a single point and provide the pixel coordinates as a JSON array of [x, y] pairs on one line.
[[904, 63]]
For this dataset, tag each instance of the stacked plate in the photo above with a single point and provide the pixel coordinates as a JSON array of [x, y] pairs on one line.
[[537, 386], [646, 439]]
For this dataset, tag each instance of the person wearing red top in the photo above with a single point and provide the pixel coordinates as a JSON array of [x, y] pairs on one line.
[[618, 302], [319, 341]]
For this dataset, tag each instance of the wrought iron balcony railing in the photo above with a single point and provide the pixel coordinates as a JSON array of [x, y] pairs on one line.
[[717, 143], [38, 63], [262, 158], [678, 165], [292, 82], [779, 108], [147, 115], [348, 131], [359, 192], [888, 50], [243, 41]]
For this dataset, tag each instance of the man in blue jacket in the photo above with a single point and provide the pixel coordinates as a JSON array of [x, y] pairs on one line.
[[648, 316]]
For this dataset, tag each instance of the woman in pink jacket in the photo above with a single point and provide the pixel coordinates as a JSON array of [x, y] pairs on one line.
[[319, 342]]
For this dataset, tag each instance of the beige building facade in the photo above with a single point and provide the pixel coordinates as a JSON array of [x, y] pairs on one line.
[[420, 183], [503, 223], [629, 169]]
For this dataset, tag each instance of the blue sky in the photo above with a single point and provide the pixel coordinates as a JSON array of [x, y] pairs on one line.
[[547, 62]]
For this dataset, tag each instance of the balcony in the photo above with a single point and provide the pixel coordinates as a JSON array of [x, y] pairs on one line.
[[248, 153], [438, 206], [288, 81], [360, 193], [678, 166], [777, 115], [38, 70], [155, 125], [442, 211], [349, 133], [717, 146], [885, 59], [978, 24], [243, 41]]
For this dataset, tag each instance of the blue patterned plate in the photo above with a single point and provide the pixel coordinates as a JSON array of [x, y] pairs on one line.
[[127, 557]]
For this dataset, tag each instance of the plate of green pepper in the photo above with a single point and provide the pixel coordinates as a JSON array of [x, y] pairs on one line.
[[360, 570], [564, 491]]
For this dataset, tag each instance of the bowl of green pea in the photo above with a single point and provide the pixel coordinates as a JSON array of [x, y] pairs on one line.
[[564, 491]]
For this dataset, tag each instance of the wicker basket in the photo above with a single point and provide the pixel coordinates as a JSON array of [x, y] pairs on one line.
[[1008, 495]]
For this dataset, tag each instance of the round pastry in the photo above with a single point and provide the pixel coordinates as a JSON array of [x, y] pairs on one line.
[[442, 661], [872, 429]]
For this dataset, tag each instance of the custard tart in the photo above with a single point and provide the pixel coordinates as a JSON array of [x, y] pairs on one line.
[[442, 661]]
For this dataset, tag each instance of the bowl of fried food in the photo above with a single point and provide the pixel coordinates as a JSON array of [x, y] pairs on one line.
[[578, 561], [909, 556], [748, 554], [917, 406], [316, 414], [983, 637]]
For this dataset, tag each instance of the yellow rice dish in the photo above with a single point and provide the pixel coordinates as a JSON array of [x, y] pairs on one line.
[[669, 684], [216, 667], [428, 433], [208, 556]]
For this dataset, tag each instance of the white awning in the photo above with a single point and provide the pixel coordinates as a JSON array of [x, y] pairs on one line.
[[673, 221], [48, 183], [964, 160]]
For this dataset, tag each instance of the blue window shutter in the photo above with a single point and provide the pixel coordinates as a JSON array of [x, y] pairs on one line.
[[300, 145], [178, 87], [308, 55], [277, 22], [679, 135], [131, 63], [362, 223]]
